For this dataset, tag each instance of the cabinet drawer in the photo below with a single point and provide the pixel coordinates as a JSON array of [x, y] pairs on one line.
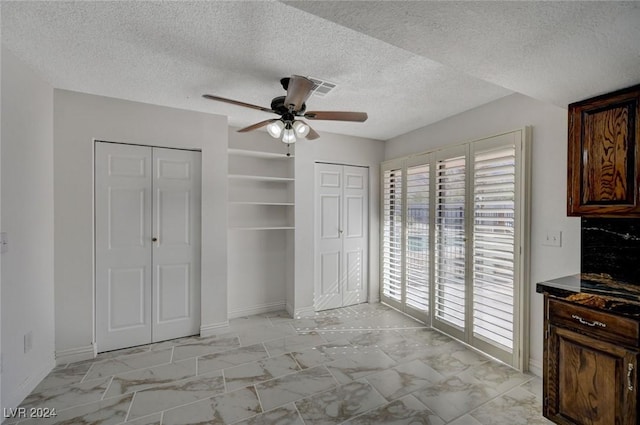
[[599, 324]]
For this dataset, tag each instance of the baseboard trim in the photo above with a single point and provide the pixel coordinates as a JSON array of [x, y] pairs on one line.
[[76, 354], [257, 309], [214, 329], [289, 308], [14, 400], [535, 367]]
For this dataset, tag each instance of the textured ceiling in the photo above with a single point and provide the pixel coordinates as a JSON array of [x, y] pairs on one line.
[[407, 64]]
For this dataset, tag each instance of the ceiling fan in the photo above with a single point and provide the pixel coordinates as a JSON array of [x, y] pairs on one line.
[[289, 108]]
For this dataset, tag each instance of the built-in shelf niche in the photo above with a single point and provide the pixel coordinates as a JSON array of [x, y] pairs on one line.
[[261, 189], [261, 206]]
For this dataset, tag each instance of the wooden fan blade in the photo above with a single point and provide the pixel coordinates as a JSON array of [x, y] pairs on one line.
[[236, 102], [337, 116], [312, 133], [298, 92], [257, 125]]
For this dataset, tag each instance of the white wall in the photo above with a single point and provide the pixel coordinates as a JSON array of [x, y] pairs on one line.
[[27, 217], [549, 179], [78, 120], [338, 149]]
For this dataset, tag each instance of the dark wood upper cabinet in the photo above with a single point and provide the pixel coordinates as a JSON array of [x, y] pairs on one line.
[[603, 155]]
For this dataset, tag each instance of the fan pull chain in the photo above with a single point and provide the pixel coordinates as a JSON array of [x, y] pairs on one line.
[[288, 146]]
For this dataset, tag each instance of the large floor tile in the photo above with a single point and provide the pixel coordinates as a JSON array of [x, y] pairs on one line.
[[360, 365], [284, 390], [154, 419], [260, 371], [71, 374], [324, 353], [175, 394], [404, 379], [264, 332], [405, 411], [106, 412], [517, 407], [340, 404], [145, 378], [63, 397], [195, 347], [453, 396], [230, 358], [292, 343], [285, 415], [222, 409], [128, 363], [452, 358], [499, 377]]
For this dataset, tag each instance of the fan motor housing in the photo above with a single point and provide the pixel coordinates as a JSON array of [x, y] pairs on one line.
[[277, 105]]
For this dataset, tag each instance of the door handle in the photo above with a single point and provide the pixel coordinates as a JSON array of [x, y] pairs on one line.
[[340, 231], [154, 239]]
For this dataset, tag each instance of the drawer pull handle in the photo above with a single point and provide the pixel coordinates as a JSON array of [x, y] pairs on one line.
[[584, 322], [629, 373]]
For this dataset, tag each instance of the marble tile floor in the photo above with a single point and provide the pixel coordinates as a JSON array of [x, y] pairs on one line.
[[365, 364]]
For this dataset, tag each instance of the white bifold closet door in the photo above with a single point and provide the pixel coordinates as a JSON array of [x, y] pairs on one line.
[[341, 258], [147, 236]]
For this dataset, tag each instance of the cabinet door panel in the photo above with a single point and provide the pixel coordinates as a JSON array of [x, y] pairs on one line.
[[603, 155], [589, 381]]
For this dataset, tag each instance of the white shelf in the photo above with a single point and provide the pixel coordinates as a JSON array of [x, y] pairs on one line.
[[262, 228], [285, 204], [259, 154], [260, 178]]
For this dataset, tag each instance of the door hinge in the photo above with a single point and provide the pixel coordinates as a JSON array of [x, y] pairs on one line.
[[546, 334], [545, 402]]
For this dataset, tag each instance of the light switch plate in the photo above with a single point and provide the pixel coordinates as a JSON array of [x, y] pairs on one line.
[[4, 242], [553, 238]]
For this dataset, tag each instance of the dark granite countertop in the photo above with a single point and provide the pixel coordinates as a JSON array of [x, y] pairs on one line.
[[598, 291]]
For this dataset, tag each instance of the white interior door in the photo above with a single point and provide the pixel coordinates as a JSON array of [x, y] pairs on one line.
[[176, 243], [341, 236], [123, 245], [147, 244], [355, 235]]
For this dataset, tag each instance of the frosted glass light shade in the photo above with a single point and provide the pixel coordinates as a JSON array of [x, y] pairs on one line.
[[301, 128], [275, 129], [289, 136]]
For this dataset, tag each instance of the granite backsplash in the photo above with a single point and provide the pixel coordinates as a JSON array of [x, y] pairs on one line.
[[611, 246]]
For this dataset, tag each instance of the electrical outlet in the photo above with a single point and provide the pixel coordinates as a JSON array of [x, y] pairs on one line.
[[28, 341], [553, 238]]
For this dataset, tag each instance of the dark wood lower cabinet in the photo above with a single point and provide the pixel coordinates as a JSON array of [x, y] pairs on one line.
[[587, 379]]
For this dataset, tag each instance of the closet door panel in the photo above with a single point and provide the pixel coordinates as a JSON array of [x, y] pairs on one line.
[[328, 285], [355, 235], [176, 249], [123, 245]]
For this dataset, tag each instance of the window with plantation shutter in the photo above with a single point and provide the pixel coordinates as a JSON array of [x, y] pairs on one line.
[[454, 222], [392, 234], [417, 243], [494, 185], [450, 252]]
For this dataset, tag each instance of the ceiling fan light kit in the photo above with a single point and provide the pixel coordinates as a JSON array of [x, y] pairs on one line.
[[289, 107]]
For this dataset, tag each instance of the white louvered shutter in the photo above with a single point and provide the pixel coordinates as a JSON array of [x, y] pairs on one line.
[[417, 242], [450, 240], [493, 245], [392, 234]]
